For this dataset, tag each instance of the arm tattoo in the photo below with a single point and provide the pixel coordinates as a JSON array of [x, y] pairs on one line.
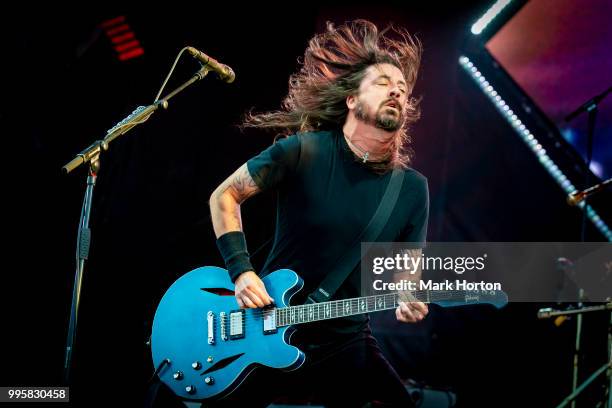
[[226, 199], [243, 184], [239, 185]]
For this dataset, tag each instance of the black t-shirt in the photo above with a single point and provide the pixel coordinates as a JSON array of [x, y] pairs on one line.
[[325, 199]]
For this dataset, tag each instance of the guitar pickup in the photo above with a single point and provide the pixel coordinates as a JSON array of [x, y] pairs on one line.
[[237, 324], [269, 320]]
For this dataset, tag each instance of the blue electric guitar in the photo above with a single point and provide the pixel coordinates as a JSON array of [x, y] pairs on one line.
[[204, 346]]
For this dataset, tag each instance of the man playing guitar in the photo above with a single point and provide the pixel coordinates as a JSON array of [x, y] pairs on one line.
[[345, 120]]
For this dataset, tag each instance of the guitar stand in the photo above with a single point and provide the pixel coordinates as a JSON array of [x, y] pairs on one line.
[[607, 367]]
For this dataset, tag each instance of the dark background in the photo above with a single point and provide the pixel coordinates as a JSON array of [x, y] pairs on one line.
[[561, 64], [150, 221]]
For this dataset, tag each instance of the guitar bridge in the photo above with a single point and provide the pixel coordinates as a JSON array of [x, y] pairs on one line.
[[210, 317], [223, 322]]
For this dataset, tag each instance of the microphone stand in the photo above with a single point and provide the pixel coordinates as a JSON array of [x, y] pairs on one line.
[[591, 107], [609, 371], [91, 156], [549, 312]]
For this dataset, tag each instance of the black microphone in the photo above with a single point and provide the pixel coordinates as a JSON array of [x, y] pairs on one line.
[[225, 73]]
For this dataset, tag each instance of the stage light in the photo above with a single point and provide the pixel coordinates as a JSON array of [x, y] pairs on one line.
[[487, 17], [531, 141], [123, 38]]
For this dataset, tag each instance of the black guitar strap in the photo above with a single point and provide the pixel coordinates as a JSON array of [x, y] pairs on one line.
[[347, 262]]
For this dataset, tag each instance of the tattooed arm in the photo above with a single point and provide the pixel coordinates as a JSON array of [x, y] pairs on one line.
[[225, 203], [226, 199], [410, 310]]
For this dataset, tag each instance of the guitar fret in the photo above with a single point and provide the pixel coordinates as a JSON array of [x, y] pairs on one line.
[[347, 307]]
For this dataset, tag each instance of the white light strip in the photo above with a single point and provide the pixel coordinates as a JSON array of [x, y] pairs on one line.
[[491, 13], [532, 142]]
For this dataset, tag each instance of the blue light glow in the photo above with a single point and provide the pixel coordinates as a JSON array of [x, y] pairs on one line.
[[529, 139]]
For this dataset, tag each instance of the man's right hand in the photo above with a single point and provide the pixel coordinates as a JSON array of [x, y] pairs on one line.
[[251, 292]]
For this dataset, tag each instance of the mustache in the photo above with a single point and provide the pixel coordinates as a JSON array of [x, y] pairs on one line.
[[392, 101]]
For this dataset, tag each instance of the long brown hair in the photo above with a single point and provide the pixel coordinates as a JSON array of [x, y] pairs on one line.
[[333, 67]]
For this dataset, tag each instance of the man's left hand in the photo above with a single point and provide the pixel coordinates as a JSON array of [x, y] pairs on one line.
[[411, 312]]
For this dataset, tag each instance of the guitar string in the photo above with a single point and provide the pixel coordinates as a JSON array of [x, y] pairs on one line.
[[259, 312], [254, 322], [432, 299], [255, 317]]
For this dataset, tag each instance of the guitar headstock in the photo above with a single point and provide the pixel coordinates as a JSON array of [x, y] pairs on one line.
[[497, 298]]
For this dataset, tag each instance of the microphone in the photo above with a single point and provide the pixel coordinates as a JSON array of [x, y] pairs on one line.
[[588, 105], [545, 313], [576, 197], [225, 73]]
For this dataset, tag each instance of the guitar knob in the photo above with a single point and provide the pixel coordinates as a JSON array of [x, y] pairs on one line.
[[209, 380], [209, 359], [196, 365], [190, 389], [178, 375]]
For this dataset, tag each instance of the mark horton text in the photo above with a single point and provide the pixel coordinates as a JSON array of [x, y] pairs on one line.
[[405, 284]]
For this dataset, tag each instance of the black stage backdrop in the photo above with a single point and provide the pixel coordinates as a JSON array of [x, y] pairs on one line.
[[150, 218]]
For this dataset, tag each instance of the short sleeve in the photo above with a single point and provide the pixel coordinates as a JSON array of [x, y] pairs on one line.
[[276, 164], [416, 230]]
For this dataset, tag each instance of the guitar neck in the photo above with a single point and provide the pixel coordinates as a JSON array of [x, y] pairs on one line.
[[349, 307]]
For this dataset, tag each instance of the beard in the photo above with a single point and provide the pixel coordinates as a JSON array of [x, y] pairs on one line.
[[383, 120]]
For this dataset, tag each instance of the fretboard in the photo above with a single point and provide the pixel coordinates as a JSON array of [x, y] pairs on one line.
[[349, 307]]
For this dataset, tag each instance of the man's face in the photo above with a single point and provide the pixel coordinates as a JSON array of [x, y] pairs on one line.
[[382, 97]]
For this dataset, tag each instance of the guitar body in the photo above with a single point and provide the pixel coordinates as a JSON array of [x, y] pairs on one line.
[[204, 346], [201, 304]]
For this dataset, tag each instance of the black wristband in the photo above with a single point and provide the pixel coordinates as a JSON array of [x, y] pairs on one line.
[[232, 246]]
